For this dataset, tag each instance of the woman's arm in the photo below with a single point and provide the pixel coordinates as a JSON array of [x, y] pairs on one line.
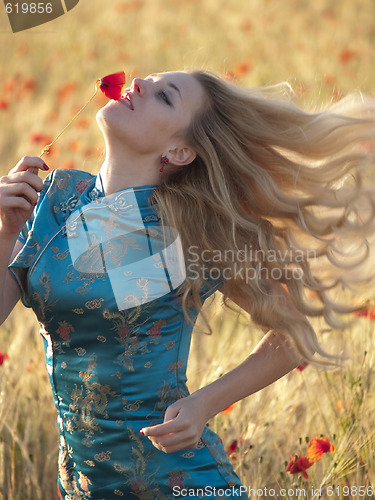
[[273, 357], [18, 197], [10, 291]]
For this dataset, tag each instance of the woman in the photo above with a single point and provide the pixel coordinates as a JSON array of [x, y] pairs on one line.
[[235, 173]]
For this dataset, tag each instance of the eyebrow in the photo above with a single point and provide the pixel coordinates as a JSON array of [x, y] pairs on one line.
[[173, 86], [169, 84]]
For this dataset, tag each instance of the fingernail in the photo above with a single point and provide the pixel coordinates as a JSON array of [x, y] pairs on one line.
[[45, 167], [142, 432]]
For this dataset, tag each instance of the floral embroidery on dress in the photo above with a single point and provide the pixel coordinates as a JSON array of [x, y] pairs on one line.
[[173, 367], [67, 206], [89, 400], [76, 488], [64, 330], [126, 326], [155, 331], [151, 218], [140, 481], [168, 393], [131, 406], [177, 478], [103, 456], [94, 304], [170, 344], [61, 255], [42, 301], [82, 185]]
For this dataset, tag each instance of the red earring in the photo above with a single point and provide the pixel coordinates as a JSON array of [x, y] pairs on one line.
[[163, 160]]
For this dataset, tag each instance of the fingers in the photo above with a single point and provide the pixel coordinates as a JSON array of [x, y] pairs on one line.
[[19, 189], [164, 429], [24, 178], [175, 442], [174, 435], [19, 194], [14, 193], [181, 440], [29, 162]]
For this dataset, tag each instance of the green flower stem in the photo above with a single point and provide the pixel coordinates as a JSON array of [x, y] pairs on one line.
[[48, 147]]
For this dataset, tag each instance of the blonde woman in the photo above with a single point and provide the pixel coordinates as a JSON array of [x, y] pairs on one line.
[[254, 197]]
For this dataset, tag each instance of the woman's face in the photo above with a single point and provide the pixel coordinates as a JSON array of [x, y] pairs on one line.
[[153, 114]]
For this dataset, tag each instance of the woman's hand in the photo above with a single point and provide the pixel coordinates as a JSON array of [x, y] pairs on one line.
[[182, 428], [19, 194]]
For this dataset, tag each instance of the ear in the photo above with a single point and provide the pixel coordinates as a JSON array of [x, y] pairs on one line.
[[181, 155]]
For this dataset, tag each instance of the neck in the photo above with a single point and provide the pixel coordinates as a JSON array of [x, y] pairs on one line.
[[120, 172]]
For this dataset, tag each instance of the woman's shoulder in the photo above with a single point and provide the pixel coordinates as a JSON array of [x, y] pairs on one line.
[[63, 192], [67, 182]]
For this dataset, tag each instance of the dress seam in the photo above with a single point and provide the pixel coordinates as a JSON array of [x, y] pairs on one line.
[[39, 253], [178, 357]]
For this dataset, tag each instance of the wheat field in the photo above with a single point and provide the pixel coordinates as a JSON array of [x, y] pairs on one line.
[[324, 49]]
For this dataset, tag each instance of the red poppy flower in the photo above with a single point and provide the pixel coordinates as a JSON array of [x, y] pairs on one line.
[[318, 446], [83, 123], [347, 55], [112, 85], [68, 165], [342, 404], [242, 68], [299, 465], [233, 446], [228, 409], [366, 313], [65, 91], [3, 357], [39, 137], [302, 366]]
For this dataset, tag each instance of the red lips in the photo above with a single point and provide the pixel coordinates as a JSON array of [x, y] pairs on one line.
[[128, 100]]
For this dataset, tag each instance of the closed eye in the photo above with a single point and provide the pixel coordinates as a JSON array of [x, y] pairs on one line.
[[164, 96]]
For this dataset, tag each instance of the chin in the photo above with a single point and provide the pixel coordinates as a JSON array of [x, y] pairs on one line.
[[106, 115], [99, 116]]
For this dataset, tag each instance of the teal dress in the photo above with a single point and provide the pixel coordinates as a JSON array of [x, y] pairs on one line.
[[114, 367]]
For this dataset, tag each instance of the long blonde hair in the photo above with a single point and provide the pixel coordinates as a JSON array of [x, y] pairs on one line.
[[283, 186]]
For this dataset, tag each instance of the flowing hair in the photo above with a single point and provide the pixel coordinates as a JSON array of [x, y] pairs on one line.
[[286, 189]]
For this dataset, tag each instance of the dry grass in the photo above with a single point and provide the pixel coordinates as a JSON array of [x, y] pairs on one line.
[[279, 421], [324, 49]]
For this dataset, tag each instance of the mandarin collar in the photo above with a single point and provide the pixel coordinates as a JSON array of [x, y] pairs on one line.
[[98, 192]]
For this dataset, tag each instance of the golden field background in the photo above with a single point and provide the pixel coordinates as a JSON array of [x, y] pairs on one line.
[[324, 49]]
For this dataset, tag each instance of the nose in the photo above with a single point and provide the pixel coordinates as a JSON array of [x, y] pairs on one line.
[[139, 86]]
